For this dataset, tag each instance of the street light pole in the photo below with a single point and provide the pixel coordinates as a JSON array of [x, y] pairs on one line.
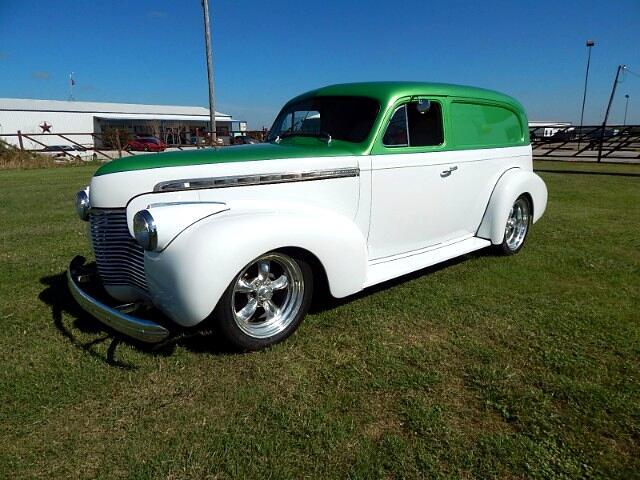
[[207, 41], [626, 107], [590, 43]]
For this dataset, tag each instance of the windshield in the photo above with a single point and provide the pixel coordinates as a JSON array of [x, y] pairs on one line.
[[343, 118]]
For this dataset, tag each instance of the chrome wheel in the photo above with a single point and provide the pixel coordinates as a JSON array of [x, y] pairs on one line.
[[267, 295], [517, 224]]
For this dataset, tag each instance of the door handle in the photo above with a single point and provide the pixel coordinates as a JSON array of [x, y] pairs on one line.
[[448, 171]]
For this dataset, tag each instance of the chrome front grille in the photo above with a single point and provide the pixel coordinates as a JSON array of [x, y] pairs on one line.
[[119, 258]]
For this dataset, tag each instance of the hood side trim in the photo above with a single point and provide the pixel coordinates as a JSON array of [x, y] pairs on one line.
[[257, 179]]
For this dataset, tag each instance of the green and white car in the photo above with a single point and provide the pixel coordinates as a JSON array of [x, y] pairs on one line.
[[358, 184]]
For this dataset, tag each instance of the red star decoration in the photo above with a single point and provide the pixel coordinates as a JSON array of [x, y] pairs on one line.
[[46, 127]]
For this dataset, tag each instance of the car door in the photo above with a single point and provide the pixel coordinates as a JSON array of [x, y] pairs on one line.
[[415, 198]]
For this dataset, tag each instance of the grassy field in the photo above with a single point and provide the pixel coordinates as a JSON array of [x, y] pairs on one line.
[[486, 367]]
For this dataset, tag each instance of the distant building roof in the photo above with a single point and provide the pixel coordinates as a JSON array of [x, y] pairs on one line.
[[550, 123], [103, 109]]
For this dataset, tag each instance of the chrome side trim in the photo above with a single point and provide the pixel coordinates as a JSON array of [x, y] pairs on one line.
[[138, 328], [258, 179]]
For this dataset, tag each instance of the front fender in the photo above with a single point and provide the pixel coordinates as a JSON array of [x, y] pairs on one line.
[[188, 278], [509, 187]]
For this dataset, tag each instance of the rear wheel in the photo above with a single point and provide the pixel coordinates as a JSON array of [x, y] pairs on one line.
[[266, 301], [517, 227]]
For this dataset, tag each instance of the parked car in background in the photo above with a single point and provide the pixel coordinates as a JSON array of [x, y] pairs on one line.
[[245, 140], [62, 150], [563, 135], [146, 144], [358, 184]]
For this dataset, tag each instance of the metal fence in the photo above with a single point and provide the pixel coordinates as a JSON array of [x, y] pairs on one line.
[[97, 146], [614, 143]]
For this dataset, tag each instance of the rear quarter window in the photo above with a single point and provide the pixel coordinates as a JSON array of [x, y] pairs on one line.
[[482, 126]]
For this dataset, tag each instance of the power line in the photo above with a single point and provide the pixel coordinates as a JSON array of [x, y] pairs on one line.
[[632, 72]]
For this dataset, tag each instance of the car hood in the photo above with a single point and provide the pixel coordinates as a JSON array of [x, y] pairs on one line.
[[298, 147], [117, 182]]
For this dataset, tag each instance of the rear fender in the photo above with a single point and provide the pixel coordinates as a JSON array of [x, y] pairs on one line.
[[509, 187]]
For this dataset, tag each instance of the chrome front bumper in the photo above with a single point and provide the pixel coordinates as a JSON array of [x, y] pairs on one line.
[[137, 328]]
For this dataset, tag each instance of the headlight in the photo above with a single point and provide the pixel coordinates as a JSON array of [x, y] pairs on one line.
[[144, 229], [83, 205]]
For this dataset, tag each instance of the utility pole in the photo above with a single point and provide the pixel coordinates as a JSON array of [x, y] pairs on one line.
[[590, 43], [626, 107], [72, 84], [606, 115], [207, 40]]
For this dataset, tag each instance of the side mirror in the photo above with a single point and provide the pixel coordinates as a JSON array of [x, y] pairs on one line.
[[423, 106]]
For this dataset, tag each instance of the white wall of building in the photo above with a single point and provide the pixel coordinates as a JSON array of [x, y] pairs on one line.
[[61, 122], [26, 116]]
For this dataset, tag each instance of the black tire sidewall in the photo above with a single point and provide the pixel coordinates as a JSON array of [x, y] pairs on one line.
[[226, 326]]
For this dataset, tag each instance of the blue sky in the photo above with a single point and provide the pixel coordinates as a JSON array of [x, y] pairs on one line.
[[268, 51]]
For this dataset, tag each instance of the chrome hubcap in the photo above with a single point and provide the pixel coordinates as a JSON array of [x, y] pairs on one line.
[[517, 224], [267, 295]]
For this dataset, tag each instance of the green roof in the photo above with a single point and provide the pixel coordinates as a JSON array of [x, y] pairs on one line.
[[388, 92]]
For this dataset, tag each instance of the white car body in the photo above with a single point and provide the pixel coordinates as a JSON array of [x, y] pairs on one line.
[[365, 218], [364, 229]]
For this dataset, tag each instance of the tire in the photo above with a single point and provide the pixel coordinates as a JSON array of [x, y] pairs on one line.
[[517, 228], [266, 302]]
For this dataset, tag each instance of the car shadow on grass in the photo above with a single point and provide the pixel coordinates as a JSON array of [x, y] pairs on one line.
[[57, 296], [327, 302]]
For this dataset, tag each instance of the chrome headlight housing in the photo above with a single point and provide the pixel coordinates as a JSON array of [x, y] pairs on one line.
[[144, 230], [83, 205]]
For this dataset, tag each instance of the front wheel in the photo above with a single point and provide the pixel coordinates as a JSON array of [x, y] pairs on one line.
[[266, 302], [517, 226]]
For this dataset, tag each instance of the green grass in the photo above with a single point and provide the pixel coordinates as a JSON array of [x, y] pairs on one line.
[[632, 169], [489, 367]]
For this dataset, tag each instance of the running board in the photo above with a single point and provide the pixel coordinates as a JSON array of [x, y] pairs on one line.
[[380, 271]]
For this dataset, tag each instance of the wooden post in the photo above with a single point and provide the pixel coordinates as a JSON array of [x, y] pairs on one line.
[[20, 140], [118, 145]]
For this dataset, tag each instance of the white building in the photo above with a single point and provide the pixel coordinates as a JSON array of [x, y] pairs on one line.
[[548, 129], [44, 121]]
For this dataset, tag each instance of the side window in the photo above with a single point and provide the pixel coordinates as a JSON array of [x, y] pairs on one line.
[[425, 124], [416, 124], [396, 134], [481, 125]]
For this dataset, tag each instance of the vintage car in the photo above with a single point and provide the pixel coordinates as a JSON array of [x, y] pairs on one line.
[[357, 184], [146, 144]]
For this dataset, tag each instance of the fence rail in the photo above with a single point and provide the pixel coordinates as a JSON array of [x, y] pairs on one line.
[[590, 143], [94, 146]]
